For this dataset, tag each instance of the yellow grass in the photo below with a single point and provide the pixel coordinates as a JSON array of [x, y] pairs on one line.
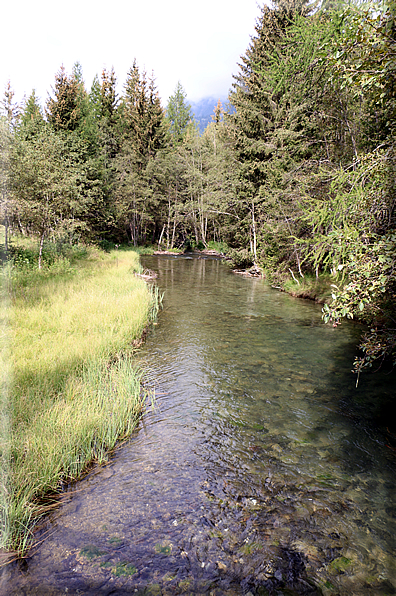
[[71, 390]]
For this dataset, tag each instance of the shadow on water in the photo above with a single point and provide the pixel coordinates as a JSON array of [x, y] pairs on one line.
[[262, 469]]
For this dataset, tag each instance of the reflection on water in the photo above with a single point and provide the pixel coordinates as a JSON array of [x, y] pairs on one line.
[[262, 470]]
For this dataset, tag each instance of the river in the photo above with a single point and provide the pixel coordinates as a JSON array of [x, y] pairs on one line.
[[261, 469]]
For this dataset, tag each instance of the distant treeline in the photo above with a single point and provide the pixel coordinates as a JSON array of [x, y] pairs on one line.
[[298, 177]]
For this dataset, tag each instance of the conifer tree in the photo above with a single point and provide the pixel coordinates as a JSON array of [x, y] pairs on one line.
[[156, 127], [142, 137], [10, 109], [5, 195], [273, 128], [178, 114], [64, 109], [105, 125], [142, 116], [32, 118], [9, 118], [108, 95], [103, 105], [71, 115], [94, 97]]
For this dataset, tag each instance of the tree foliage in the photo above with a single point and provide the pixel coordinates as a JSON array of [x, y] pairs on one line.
[[365, 61], [298, 176], [63, 110], [178, 114], [47, 182]]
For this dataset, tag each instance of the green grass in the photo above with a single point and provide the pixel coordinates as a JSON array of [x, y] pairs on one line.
[[70, 389], [144, 250], [220, 247], [309, 286]]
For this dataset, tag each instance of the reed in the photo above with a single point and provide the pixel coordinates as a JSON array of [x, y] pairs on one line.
[[70, 387]]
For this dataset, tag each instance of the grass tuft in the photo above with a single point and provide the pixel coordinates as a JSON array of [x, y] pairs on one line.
[[318, 289]]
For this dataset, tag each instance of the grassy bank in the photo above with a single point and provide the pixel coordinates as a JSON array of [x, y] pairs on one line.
[[309, 286], [70, 388]]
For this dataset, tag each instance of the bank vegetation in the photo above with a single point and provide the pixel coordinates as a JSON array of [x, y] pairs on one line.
[[71, 389]]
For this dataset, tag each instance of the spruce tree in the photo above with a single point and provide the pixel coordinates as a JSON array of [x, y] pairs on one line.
[[95, 97], [178, 114], [142, 137], [271, 126], [9, 108], [63, 110], [32, 119], [108, 95]]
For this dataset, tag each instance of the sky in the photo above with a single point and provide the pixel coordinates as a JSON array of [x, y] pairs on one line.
[[197, 43]]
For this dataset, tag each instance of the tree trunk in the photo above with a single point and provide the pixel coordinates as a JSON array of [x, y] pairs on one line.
[[169, 219], [173, 233], [133, 232], [41, 247], [6, 231], [162, 233], [254, 234]]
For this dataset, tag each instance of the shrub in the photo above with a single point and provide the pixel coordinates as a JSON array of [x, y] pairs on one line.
[[242, 258]]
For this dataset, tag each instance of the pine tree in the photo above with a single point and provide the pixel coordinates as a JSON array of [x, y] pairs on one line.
[[274, 129], [10, 109], [156, 127], [142, 136], [108, 95], [64, 109], [178, 114], [32, 118], [9, 118], [142, 115], [95, 97], [5, 198]]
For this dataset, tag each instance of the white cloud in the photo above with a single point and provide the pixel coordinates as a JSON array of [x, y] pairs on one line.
[[198, 43]]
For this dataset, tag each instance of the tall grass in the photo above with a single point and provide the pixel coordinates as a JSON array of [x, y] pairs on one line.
[[220, 247], [309, 286], [71, 390]]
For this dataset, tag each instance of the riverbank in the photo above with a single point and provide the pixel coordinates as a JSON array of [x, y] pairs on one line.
[[308, 287], [70, 387]]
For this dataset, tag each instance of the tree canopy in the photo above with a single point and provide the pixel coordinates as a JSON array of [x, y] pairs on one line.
[[296, 176]]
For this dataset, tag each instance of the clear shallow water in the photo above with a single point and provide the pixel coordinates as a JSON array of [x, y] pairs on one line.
[[262, 468]]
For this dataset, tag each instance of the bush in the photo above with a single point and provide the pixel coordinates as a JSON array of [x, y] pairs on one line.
[[106, 245], [242, 258], [220, 247]]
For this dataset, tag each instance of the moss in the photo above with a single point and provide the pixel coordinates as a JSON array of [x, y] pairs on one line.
[[163, 549], [91, 552], [123, 568], [250, 547], [106, 564], [340, 564], [153, 590], [184, 585]]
